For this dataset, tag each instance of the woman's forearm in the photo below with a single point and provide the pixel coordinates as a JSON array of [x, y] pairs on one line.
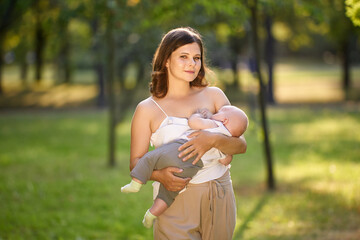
[[203, 141], [229, 145]]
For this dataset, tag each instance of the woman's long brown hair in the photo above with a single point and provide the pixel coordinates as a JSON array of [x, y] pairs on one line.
[[170, 42]]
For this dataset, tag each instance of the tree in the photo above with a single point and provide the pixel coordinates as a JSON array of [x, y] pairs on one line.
[[110, 78], [10, 12], [253, 6], [341, 31], [61, 22], [270, 58], [40, 38], [353, 11]]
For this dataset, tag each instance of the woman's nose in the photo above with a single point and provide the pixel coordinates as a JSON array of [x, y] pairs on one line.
[[192, 62]]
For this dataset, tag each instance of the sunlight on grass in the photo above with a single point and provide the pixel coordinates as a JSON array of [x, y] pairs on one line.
[[311, 92], [56, 96], [62, 95], [329, 127], [341, 180]]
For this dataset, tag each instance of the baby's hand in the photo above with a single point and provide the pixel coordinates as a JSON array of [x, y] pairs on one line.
[[205, 113], [227, 160]]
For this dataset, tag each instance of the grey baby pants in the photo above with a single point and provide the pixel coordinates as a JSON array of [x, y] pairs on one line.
[[162, 157]]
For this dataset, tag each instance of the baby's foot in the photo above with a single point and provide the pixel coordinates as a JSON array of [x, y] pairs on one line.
[[133, 186], [148, 219]]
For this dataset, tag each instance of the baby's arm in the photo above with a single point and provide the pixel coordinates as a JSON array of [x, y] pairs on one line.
[[197, 122], [205, 113], [227, 160]]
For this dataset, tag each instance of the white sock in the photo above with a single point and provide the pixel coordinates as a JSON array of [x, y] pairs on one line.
[[133, 186], [148, 219]]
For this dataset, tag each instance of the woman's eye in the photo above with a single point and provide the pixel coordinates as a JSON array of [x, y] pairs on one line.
[[183, 56], [197, 58]]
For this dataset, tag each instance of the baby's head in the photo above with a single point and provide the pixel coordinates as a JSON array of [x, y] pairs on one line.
[[233, 118]]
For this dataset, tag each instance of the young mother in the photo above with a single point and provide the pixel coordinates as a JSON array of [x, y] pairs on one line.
[[206, 209]]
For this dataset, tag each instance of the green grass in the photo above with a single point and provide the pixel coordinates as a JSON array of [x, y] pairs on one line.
[[54, 182]]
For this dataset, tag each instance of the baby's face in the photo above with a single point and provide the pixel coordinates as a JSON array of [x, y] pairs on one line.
[[232, 118]]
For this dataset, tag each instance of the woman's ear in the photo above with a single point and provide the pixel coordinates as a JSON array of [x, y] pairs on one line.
[[167, 63]]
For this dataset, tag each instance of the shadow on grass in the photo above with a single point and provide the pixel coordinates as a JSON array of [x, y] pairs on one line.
[[251, 216], [297, 210]]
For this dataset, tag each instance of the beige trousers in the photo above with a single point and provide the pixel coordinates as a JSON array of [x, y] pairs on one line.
[[204, 211]]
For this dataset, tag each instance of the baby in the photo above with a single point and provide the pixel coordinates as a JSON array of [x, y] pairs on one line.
[[229, 120]]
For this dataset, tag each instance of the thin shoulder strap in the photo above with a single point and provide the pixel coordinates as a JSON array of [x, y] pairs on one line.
[[159, 107]]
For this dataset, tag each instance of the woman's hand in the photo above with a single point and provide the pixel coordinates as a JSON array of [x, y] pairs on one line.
[[167, 178], [198, 145]]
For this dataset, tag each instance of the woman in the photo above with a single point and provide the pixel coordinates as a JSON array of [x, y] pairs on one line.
[[206, 209]]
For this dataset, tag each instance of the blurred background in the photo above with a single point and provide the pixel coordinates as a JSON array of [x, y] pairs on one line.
[[73, 71]]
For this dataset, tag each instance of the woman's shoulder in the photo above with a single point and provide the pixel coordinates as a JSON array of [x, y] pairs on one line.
[[210, 90], [217, 96], [147, 102], [146, 106], [213, 90], [215, 93]]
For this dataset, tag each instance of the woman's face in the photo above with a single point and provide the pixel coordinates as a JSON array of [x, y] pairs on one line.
[[184, 63]]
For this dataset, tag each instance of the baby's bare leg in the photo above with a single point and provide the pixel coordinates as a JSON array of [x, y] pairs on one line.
[[156, 210], [158, 207]]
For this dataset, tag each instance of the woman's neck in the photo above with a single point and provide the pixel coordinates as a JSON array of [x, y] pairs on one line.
[[178, 90]]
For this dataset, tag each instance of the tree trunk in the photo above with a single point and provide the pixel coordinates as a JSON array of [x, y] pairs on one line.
[[1, 65], [98, 64], [129, 95], [269, 58], [39, 49], [255, 38], [99, 68], [235, 84], [110, 63], [64, 55], [24, 70], [235, 44], [345, 64]]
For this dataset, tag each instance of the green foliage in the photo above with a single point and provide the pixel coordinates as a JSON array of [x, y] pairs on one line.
[[54, 182], [353, 11], [78, 27]]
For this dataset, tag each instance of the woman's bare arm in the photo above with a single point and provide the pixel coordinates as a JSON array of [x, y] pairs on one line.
[[140, 133], [140, 138], [202, 141]]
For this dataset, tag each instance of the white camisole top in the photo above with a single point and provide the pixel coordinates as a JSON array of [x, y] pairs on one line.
[[172, 128]]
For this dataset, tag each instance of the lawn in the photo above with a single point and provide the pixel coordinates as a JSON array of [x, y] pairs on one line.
[[55, 184]]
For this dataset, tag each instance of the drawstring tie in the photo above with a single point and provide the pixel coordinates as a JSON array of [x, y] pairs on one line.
[[216, 191]]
